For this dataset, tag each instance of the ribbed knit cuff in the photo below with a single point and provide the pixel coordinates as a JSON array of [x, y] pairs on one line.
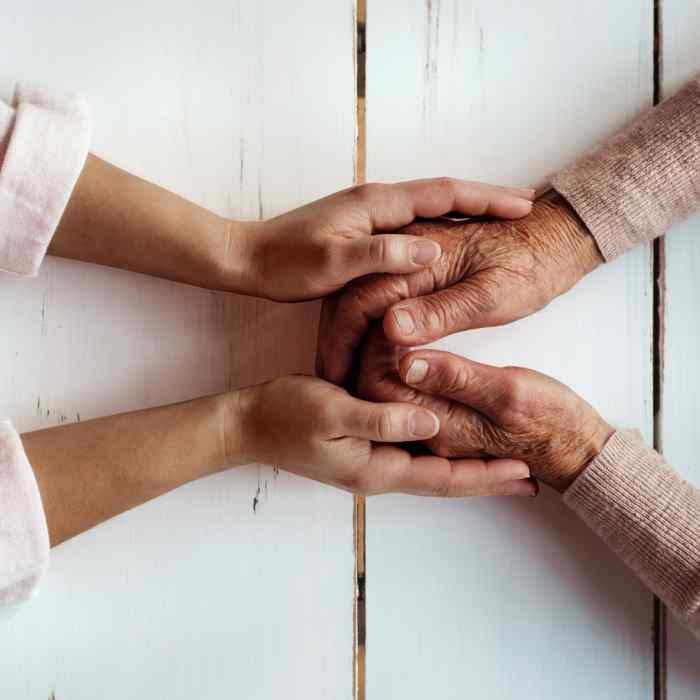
[[43, 146], [649, 516], [646, 178], [24, 537]]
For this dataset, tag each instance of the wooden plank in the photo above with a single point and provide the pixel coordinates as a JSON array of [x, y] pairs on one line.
[[239, 585], [503, 599], [681, 375]]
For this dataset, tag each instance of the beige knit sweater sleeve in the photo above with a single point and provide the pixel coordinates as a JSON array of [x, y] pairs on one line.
[[634, 187], [628, 191], [649, 516]]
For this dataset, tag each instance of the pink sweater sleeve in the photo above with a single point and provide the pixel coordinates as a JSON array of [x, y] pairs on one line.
[[24, 538], [43, 146], [643, 180], [649, 516], [628, 191]]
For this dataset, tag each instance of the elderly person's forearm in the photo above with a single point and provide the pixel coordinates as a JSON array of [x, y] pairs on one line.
[[649, 516], [642, 181], [622, 489]]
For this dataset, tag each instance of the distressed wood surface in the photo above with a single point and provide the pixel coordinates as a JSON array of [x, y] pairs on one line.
[[681, 375], [242, 584], [513, 599], [239, 585]]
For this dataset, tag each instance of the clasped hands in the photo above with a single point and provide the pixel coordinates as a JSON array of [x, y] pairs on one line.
[[393, 278]]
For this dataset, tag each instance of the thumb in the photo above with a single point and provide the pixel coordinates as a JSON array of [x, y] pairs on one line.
[[481, 387], [389, 252], [385, 422], [423, 319]]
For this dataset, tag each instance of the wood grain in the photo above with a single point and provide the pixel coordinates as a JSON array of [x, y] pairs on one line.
[[513, 599], [239, 585], [681, 376]]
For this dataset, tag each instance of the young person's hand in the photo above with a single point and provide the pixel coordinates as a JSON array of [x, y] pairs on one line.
[[317, 430], [316, 249], [490, 273]]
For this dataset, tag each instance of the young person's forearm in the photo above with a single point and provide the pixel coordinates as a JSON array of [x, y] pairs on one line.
[[115, 218], [88, 472]]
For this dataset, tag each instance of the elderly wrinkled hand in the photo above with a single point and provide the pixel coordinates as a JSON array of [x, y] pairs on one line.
[[487, 411], [490, 273]]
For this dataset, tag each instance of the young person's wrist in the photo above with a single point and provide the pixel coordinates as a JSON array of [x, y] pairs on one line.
[[237, 438], [232, 263]]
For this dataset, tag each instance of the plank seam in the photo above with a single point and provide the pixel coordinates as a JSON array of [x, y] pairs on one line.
[[658, 334], [359, 520]]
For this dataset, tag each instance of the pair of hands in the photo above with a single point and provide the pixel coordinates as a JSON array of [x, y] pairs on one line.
[[489, 428]]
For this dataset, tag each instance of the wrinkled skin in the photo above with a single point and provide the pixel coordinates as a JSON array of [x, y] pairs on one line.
[[489, 411], [490, 273], [317, 430]]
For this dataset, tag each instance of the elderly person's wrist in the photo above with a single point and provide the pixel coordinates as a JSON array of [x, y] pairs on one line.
[[587, 448], [566, 243]]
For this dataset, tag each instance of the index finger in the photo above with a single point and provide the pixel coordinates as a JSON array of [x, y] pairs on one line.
[[391, 206]]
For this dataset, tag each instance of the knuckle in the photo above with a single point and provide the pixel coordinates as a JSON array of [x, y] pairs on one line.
[[432, 314], [515, 388], [378, 249], [381, 424], [355, 480], [367, 191], [324, 421], [326, 256], [455, 377], [323, 406], [446, 183], [478, 296]]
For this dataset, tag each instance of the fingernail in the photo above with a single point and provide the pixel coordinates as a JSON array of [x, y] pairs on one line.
[[512, 470], [424, 252], [525, 192], [417, 373], [422, 424], [532, 488], [404, 321]]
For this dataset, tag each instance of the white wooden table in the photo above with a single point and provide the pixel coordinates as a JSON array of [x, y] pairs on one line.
[[242, 585]]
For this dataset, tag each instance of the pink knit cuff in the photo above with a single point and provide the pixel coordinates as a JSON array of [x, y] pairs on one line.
[[43, 147], [649, 516], [643, 180], [24, 537]]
